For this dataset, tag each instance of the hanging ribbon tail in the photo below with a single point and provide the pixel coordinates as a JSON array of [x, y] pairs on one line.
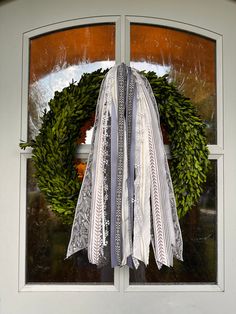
[[81, 224], [126, 202], [167, 239]]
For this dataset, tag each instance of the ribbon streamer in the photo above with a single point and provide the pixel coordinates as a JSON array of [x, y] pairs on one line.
[[126, 202]]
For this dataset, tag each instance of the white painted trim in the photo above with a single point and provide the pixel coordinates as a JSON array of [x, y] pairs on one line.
[[84, 149], [173, 24], [122, 39], [80, 287], [174, 288], [84, 21], [22, 221], [127, 40], [25, 89], [220, 222], [68, 288], [215, 150], [219, 92], [118, 47]]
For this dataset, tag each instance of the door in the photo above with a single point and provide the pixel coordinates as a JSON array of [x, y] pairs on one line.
[[46, 44]]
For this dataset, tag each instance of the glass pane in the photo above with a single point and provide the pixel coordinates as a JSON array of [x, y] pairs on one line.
[[47, 240], [188, 59], [199, 230], [57, 59], [60, 57]]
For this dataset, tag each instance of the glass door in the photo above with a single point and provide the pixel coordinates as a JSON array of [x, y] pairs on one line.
[[42, 52]]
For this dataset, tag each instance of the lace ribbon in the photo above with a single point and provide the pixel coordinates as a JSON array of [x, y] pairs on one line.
[[127, 198]]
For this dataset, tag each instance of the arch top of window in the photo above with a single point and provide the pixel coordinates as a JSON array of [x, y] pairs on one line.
[[188, 57], [60, 57], [60, 49]]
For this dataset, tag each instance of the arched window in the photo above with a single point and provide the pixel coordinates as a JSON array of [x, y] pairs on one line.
[[189, 57]]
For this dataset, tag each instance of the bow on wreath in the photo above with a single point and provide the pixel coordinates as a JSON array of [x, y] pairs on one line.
[[126, 201]]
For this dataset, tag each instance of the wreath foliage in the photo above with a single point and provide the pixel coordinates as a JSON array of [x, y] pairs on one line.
[[55, 146]]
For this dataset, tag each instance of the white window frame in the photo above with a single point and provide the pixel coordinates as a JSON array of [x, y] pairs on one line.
[[216, 153], [26, 154], [122, 54]]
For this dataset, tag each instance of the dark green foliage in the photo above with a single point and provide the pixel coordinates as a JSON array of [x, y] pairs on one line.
[[186, 131], [54, 147]]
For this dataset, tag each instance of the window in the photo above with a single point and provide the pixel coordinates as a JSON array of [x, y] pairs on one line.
[[190, 60], [55, 60]]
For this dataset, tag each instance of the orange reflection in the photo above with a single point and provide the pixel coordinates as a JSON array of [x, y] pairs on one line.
[[80, 167], [190, 61], [83, 130], [53, 51], [185, 51]]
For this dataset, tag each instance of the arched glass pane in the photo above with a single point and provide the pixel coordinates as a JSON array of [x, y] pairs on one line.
[[188, 59], [58, 58]]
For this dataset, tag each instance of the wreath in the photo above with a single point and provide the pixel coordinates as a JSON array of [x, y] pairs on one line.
[[53, 150]]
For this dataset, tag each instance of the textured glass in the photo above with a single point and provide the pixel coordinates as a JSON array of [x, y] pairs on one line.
[[57, 59], [47, 240], [187, 58], [200, 245]]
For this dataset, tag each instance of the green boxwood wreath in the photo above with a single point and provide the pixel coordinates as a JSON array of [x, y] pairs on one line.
[[55, 145]]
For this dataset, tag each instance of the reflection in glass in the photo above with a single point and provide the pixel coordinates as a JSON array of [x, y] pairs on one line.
[[199, 230], [57, 59], [47, 240], [86, 132], [188, 59]]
